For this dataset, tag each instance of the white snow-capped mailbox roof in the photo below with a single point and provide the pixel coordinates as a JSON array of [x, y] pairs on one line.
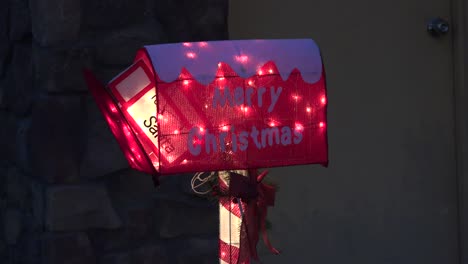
[[245, 57]]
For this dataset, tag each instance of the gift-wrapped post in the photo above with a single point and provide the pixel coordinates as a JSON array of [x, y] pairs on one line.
[[221, 106]]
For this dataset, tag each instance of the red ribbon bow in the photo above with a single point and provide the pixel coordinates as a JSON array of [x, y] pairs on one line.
[[258, 197]]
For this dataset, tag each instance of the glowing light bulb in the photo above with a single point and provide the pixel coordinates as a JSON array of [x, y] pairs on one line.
[[323, 100], [176, 132], [295, 97], [186, 82], [201, 129], [299, 127], [321, 124], [270, 71], [187, 44], [219, 64], [241, 58], [250, 82], [184, 161], [206, 106], [127, 132], [203, 44], [221, 78], [244, 109], [260, 72], [224, 127], [170, 158], [272, 123], [308, 109], [191, 55]]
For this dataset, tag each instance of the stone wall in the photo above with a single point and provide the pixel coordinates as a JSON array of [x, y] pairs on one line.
[[66, 192]]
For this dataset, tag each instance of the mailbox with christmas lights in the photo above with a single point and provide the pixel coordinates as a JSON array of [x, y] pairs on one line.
[[226, 106]]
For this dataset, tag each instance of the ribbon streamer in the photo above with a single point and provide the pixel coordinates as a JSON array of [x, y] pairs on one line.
[[247, 199]]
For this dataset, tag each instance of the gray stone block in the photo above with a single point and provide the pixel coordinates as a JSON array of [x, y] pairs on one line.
[[130, 185], [22, 145], [177, 218], [109, 14], [18, 88], [138, 227], [146, 254], [61, 69], [5, 50], [72, 248], [193, 20], [30, 249], [13, 225], [13, 140], [55, 22], [79, 208], [2, 95], [102, 154], [120, 46], [17, 189], [56, 138], [20, 20], [195, 250], [208, 19], [4, 11], [8, 136], [37, 204]]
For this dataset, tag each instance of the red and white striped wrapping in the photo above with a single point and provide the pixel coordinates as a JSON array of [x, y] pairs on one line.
[[230, 225]]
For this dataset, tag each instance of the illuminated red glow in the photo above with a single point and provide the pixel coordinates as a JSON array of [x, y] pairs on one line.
[[295, 97], [176, 132], [203, 44], [219, 64], [308, 109], [244, 109], [187, 44], [186, 82], [184, 161], [224, 127], [162, 118], [323, 100], [250, 82], [127, 131], [321, 124], [299, 127], [191, 55], [272, 123], [242, 58], [260, 72], [270, 71]]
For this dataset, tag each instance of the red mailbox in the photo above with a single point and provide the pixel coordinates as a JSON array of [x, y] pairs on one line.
[[219, 105]]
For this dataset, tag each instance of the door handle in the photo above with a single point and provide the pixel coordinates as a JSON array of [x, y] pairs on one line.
[[438, 27]]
